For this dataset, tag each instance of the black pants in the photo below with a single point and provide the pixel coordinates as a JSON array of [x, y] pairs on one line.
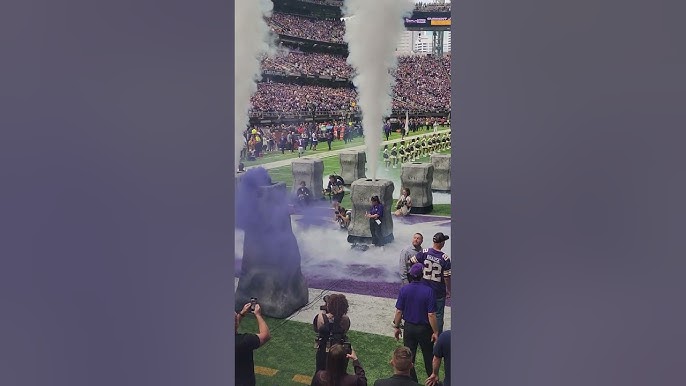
[[419, 335], [320, 362], [377, 238]]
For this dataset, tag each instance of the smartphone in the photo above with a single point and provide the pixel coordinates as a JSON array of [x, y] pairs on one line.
[[253, 301], [348, 348]]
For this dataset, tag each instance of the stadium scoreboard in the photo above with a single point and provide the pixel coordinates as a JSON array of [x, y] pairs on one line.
[[428, 21]]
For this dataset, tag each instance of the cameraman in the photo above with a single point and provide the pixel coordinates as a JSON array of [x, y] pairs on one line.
[[335, 188], [331, 326], [341, 215], [246, 344]]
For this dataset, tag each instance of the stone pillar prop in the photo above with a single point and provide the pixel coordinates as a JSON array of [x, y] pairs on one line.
[[418, 177], [270, 267], [361, 194], [353, 165], [441, 163], [310, 170]]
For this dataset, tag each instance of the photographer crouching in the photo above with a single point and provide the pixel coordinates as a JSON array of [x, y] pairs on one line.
[[331, 326], [341, 215]]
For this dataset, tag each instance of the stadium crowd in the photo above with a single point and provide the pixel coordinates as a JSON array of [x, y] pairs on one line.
[[422, 84], [288, 98], [432, 7], [311, 63], [324, 30]]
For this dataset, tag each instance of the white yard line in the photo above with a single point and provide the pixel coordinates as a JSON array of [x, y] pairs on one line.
[[367, 314]]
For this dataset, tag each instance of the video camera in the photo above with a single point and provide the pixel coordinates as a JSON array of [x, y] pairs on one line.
[[326, 299]]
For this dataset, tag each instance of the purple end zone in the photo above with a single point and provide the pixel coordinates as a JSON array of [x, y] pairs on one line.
[[378, 289]]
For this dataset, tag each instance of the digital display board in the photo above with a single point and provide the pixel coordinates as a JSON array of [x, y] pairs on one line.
[[428, 21]]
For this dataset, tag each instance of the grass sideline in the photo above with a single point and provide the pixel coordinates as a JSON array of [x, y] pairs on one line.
[[322, 147], [291, 352]]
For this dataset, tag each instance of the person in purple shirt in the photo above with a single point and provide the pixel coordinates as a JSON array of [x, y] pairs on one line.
[[436, 273], [441, 351], [416, 304], [375, 216]]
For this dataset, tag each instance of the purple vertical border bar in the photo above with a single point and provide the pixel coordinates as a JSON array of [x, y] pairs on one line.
[[232, 202], [568, 182], [116, 193], [454, 202]]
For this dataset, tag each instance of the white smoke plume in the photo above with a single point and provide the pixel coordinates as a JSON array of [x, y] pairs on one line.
[[372, 30], [253, 40], [326, 252]]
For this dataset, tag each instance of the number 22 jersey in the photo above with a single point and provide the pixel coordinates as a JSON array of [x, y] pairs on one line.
[[436, 269]]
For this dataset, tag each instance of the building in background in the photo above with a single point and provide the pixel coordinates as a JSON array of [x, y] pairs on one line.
[[420, 42]]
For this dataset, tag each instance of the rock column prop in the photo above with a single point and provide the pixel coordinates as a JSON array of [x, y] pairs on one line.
[[441, 163], [353, 165], [310, 170], [361, 194], [270, 268], [418, 177]]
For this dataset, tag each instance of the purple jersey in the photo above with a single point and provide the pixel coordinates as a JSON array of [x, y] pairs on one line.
[[436, 269], [377, 209]]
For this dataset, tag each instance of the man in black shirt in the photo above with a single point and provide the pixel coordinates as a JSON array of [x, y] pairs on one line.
[[246, 344], [402, 364]]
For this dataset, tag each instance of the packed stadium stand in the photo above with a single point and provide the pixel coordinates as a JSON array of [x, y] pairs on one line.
[[309, 80]]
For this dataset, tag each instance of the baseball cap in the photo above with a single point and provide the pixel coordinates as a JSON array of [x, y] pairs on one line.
[[416, 270], [440, 237]]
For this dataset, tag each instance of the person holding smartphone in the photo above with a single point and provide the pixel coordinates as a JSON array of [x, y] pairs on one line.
[[336, 368], [247, 343]]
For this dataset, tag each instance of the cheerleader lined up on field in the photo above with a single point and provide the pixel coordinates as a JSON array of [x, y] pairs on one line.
[[386, 156], [394, 156]]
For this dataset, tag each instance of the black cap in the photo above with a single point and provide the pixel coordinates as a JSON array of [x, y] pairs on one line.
[[440, 237]]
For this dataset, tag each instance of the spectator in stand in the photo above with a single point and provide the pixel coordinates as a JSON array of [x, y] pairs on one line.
[[318, 64], [325, 30], [422, 84], [290, 98]]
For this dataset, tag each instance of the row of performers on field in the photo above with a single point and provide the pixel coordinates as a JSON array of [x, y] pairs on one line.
[[417, 147]]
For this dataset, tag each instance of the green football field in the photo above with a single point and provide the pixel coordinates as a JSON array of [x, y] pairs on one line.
[[332, 165], [289, 357]]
